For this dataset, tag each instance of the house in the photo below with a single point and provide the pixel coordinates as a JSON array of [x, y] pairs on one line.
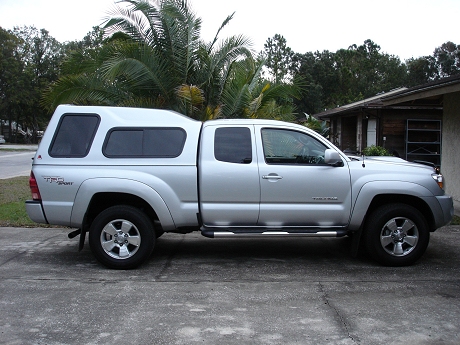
[[419, 123]]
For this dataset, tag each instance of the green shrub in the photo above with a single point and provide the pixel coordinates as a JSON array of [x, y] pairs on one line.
[[455, 220], [376, 151]]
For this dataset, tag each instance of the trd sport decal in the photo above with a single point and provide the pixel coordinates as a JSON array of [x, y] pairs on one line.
[[58, 180]]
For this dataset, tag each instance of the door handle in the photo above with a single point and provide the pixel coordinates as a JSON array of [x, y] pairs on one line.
[[272, 177]]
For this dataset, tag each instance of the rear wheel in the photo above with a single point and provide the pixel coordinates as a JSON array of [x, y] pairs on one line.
[[122, 237], [396, 235]]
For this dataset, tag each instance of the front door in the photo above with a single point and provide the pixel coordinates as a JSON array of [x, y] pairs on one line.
[[371, 132], [297, 187]]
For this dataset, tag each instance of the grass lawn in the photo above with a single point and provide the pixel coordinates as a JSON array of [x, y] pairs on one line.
[[15, 191]]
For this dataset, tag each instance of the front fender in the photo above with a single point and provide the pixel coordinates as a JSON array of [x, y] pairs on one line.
[[91, 187], [374, 188]]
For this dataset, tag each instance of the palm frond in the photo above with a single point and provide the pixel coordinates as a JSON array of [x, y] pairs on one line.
[[216, 37], [155, 58], [192, 100], [82, 90]]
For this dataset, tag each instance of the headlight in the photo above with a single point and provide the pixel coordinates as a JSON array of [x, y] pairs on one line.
[[438, 179]]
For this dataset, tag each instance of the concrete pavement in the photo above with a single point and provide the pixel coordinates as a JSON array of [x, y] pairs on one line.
[[16, 160], [18, 147], [196, 290]]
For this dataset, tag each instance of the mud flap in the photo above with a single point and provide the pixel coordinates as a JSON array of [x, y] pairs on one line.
[[355, 242], [82, 234], [81, 243]]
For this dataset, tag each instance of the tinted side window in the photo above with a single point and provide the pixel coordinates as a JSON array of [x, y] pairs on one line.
[[290, 147], [74, 135], [158, 142], [233, 145]]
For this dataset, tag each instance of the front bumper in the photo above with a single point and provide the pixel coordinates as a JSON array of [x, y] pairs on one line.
[[447, 206], [35, 212]]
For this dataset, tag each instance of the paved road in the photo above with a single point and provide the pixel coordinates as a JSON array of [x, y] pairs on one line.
[[196, 290], [16, 163]]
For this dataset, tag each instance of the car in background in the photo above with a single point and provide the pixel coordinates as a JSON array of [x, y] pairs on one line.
[[2, 139]]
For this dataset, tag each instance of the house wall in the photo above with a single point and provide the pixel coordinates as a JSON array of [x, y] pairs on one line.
[[336, 130], [394, 123], [359, 133], [393, 135], [451, 145], [348, 134]]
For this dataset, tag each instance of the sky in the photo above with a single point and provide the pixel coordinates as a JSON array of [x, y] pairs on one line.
[[404, 28]]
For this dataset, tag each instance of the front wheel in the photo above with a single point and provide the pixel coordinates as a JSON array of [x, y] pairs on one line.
[[122, 237], [396, 235]]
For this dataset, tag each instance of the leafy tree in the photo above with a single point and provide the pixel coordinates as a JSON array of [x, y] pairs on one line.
[[278, 57], [11, 67], [447, 58], [317, 81], [365, 71], [322, 80], [421, 70], [29, 63], [346, 76], [41, 54], [93, 39], [444, 62]]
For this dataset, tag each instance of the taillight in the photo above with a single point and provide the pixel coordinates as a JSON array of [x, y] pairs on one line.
[[34, 187]]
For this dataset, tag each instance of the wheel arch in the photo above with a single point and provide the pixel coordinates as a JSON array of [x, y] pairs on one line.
[[103, 200], [96, 195], [371, 197], [411, 200]]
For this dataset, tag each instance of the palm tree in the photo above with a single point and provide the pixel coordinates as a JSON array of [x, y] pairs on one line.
[[318, 126], [155, 58], [246, 94]]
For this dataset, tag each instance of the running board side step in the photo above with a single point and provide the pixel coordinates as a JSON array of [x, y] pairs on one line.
[[219, 233]]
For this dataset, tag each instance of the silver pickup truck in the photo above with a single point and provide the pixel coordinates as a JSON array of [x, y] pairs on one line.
[[125, 176]]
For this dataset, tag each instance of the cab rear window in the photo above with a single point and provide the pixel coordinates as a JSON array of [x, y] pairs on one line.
[[233, 145], [158, 142], [74, 135]]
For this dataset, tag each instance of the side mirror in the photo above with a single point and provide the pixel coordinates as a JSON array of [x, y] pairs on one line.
[[332, 157]]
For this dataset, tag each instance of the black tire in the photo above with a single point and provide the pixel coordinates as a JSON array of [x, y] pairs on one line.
[[122, 237], [396, 235]]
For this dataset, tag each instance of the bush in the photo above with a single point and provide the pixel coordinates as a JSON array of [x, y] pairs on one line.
[[376, 151]]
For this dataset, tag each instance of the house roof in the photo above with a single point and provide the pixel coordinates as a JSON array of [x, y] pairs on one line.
[[430, 90], [429, 94], [371, 102]]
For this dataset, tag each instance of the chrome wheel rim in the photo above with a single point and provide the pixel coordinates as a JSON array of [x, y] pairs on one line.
[[120, 239], [399, 236]]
